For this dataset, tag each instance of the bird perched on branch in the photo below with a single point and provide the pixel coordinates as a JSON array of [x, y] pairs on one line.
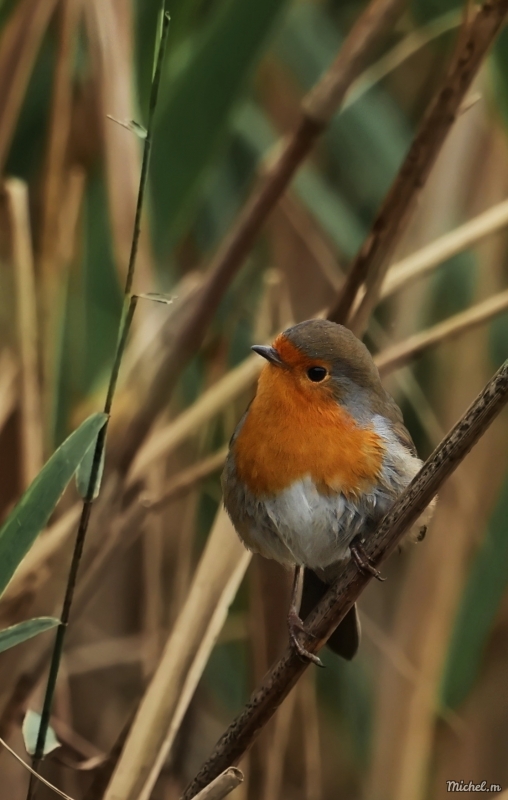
[[315, 462]]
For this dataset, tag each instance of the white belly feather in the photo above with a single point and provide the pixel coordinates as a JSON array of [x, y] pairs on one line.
[[318, 529]]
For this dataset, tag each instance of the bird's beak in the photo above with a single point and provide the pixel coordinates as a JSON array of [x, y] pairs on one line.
[[270, 353]]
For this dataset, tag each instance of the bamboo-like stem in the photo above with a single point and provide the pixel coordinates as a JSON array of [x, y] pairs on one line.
[[318, 107], [124, 328], [341, 596], [475, 38]]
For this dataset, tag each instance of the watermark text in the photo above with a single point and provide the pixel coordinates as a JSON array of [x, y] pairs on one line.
[[461, 786]]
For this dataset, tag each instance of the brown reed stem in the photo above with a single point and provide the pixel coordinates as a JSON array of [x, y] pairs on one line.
[[370, 265]]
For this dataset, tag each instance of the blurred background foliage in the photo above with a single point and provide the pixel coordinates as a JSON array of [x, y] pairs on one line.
[[425, 701]]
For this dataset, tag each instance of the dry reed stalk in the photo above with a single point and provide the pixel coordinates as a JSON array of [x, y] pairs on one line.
[[411, 268], [391, 652], [19, 45], [57, 212], [185, 655], [186, 480], [309, 710], [184, 555], [240, 792], [370, 265], [8, 385], [318, 107], [419, 264], [313, 238], [153, 553], [28, 334], [210, 403], [401, 52], [397, 355], [277, 748], [68, 17], [339, 599], [109, 26], [222, 785], [105, 654]]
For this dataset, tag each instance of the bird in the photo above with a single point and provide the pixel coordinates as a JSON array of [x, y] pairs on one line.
[[315, 462]]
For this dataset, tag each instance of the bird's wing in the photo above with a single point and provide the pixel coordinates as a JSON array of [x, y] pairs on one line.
[[394, 414]]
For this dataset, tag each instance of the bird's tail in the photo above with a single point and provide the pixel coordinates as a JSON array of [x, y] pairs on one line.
[[345, 639]]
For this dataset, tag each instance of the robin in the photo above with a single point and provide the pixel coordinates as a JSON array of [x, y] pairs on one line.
[[315, 462]]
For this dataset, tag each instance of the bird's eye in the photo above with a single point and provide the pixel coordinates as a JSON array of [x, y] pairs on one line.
[[316, 374]]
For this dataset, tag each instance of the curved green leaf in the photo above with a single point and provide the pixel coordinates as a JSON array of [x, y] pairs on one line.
[[33, 511], [16, 634]]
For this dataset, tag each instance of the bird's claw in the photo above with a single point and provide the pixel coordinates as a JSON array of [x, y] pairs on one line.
[[296, 627], [363, 561]]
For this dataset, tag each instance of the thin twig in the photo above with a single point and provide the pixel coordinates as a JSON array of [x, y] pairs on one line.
[[419, 264], [33, 773], [397, 355], [371, 262], [318, 107], [401, 52], [124, 327], [341, 596]]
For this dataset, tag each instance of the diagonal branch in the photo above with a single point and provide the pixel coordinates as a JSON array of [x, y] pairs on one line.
[[341, 596], [318, 107], [371, 263]]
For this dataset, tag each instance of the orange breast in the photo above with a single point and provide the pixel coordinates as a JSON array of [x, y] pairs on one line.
[[289, 433]]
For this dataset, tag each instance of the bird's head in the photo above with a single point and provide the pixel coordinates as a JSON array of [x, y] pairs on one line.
[[322, 361]]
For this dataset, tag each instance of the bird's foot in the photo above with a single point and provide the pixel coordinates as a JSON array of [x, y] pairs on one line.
[[296, 627], [362, 560]]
